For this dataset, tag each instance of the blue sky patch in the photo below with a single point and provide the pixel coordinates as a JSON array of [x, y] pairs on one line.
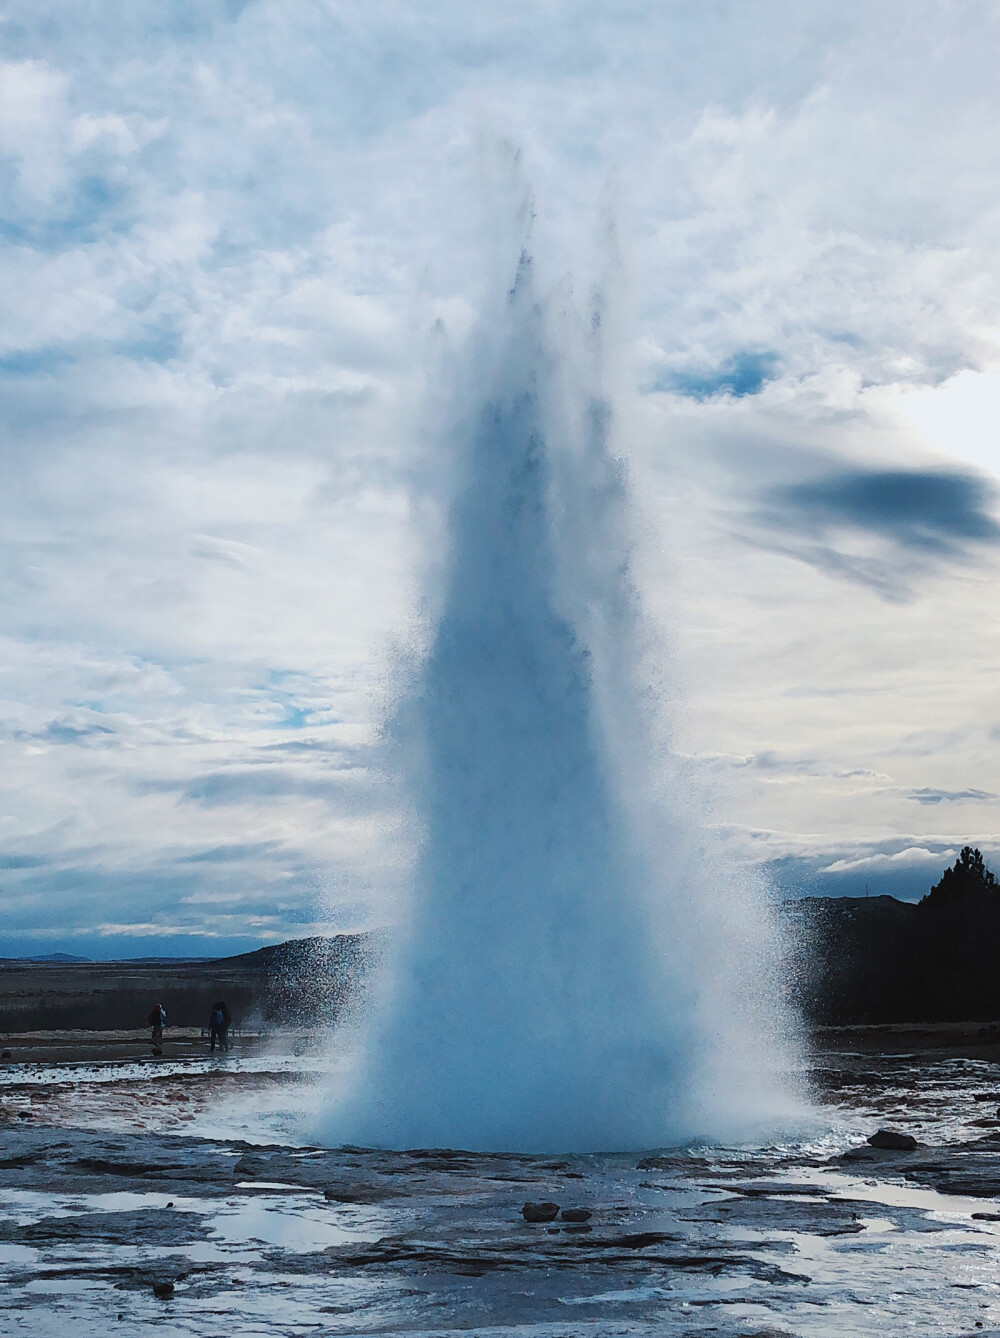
[[743, 374]]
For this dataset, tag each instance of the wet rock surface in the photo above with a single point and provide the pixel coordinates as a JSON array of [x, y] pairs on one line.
[[817, 1215], [139, 1227], [892, 1140], [133, 1229], [576, 1215], [540, 1212]]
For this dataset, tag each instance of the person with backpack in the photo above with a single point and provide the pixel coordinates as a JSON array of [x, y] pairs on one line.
[[218, 1025]]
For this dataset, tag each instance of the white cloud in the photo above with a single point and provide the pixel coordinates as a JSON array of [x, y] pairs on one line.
[[960, 418], [33, 124], [917, 856]]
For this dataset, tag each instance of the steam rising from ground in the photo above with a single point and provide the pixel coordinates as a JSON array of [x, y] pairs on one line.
[[579, 973]]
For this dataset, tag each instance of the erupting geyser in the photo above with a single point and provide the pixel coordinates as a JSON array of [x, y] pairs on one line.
[[574, 976]]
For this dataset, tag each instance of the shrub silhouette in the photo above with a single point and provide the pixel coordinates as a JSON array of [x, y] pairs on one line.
[[967, 878]]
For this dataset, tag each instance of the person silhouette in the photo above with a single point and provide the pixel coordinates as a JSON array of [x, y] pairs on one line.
[[156, 1018], [218, 1025]]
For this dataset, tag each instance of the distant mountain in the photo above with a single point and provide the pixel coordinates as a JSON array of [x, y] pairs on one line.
[[154, 961], [55, 957]]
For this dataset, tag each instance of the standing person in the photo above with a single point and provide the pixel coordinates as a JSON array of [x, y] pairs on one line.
[[227, 1018], [157, 1019], [218, 1025]]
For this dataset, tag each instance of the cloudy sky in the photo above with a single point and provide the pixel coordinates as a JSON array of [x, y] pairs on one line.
[[229, 232]]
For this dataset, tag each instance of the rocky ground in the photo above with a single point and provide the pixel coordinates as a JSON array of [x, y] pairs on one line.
[[125, 1207]]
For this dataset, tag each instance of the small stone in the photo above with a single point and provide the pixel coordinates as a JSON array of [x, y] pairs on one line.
[[163, 1290], [540, 1212], [888, 1138], [170, 1204], [157, 1050], [576, 1214], [6, 1055]]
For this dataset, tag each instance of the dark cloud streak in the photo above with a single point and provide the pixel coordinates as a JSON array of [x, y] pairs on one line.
[[932, 796], [935, 511], [907, 522]]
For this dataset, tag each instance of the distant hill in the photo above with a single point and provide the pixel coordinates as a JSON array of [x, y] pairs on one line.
[[877, 959], [57, 957], [303, 982]]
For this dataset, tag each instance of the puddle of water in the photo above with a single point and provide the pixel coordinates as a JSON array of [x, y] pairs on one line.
[[27, 1205], [880, 1225], [631, 1295], [295, 1225], [276, 1186], [18, 1254], [899, 1195], [59, 1286]]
